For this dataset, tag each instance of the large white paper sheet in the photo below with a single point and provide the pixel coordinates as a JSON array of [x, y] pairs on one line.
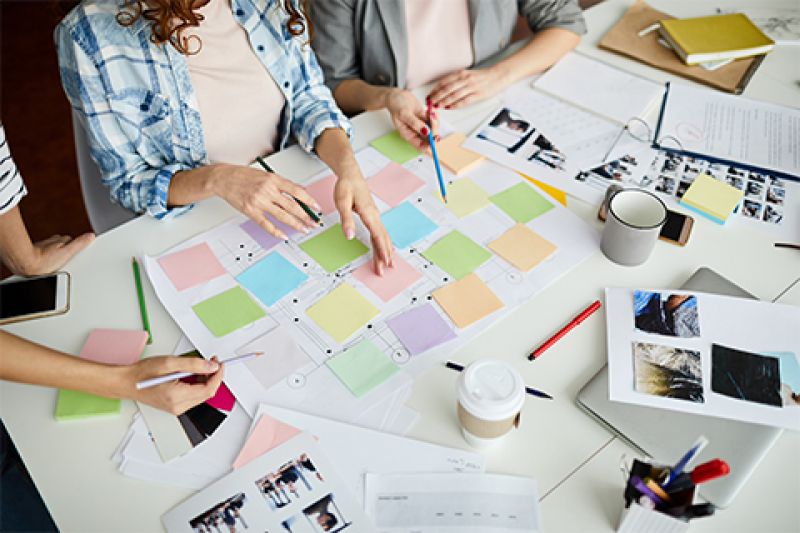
[[705, 354], [452, 503]]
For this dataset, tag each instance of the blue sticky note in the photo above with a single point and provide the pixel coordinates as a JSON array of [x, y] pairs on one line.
[[272, 278], [406, 225]]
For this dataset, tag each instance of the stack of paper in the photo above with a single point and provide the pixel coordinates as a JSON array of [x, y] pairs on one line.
[[712, 198]]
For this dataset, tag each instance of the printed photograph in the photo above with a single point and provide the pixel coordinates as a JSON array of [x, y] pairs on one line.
[[507, 129], [745, 376], [290, 482], [789, 368], [773, 214], [322, 516], [543, 151], [754, 190], [665, 184], [752, 209], [776, 195], [202, 420], [224, 516], [736, 181], [674, 315], [733, 171], [617, 170], [668, 372], [671, 163], [682, 188], [756, 176]]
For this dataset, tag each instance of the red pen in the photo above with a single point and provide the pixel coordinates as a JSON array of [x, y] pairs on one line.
[[586, 313]]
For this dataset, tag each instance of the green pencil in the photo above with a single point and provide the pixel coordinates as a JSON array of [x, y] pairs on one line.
[[302, 204], [137, 278]]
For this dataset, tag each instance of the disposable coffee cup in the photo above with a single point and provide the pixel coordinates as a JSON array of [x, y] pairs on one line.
[[634, 221], [490, 397]]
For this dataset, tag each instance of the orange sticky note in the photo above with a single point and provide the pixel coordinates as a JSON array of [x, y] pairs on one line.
[[467, 300], [267, 434], [457, 159], [522, 247]]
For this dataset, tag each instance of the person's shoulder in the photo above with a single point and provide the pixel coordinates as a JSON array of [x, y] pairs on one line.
[[97, 23]]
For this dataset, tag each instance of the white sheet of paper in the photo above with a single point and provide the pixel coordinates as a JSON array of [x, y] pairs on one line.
[[743, 324], [452, 503]]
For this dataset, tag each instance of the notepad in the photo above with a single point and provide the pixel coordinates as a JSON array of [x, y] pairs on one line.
[[393, 146], [228, 311], [457, 159], [407, 225], [522, 203], [393, 281], [342, 312], [522, 247], [110, 346], [711, 198], [467, 300], [465, 197], [362, 367], [457, 254], [191, 266], [420, 329], [272, 278], [332, 250], [394, 183]]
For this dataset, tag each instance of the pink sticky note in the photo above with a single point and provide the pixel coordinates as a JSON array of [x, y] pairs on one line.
[[394, 184], [191, 266], [267, 434], [114, 346], [394, 280], [322, 192]]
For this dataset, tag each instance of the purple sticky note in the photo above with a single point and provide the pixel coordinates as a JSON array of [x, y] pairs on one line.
[[264, 239], [420, 329]]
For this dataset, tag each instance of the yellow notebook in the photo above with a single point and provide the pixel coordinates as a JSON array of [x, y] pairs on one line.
[[701, 39], [711, 198]]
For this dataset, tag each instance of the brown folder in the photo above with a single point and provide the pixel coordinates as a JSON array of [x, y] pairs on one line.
[[623, 39]]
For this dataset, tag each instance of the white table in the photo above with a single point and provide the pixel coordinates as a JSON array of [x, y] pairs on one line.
[[574, 459]]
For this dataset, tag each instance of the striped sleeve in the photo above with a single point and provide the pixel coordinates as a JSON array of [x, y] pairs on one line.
[[12, 189]]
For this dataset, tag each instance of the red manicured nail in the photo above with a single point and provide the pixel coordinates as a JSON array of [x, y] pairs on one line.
[[447, 107], [424, 130]]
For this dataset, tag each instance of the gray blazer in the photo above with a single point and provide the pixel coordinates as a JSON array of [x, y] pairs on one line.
[[366, 39]]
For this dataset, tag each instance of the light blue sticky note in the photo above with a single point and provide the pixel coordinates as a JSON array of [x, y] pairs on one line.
[[406, 225], [272, 278], [789, 369]]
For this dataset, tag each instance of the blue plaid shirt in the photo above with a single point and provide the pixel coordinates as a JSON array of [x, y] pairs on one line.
[[140, 111]]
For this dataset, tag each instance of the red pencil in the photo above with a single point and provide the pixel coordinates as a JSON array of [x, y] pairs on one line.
[[586, 313]]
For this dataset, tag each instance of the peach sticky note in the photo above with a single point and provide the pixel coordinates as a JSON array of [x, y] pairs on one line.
[[322, 192], [394, 280], [458, 160], [522, 247], [467, 300], [192, 266], [267, 434], [394, 183]]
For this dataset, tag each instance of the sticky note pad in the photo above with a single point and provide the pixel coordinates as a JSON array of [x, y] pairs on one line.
[[266, 240], [281, 357], [110, 346], [712, 198], [457, 254], [406, 225], [271, 278], [467, 300], [342, 312], [522, 203], [362, 367], [192, 266], [420, 329], [228, 311], [322, 192], [393, 146], [393, 281], [522, 247], [394, 183], [457, 159], [464, 197], [332, 250]]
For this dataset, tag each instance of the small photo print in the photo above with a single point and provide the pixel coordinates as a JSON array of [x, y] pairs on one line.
[[668, 372], [322, 516], [745, 376], [665, 184], [682, 188], [226, 515], [671, 163], [776, 195], [733, 171], [507, 129], [754, 190], [752, 209], [674, 315], [735, 181], [756, 176], [790, 377], [542, 151], [773, 214], [290, 482]]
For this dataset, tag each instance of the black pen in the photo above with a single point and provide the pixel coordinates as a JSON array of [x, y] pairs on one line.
[[529, 390], [302, 204]]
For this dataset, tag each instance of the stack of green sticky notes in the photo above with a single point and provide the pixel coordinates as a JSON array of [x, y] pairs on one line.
[[711, 198], [110, 346]]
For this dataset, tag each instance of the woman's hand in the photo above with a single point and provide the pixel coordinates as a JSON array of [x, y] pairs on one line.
[[466, 86], [410, 118], [175, 397]]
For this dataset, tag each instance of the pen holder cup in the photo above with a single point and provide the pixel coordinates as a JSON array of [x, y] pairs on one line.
[[639, 519]]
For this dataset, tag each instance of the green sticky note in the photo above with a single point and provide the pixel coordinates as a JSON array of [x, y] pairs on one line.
[[464, 197], [332, 250], [362, 367], [457, 254], [393, 146], [522, 203], [342, 312], [228, 311], [72, 405]]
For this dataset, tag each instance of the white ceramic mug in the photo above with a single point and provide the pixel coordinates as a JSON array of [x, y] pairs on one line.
[[634, 222]]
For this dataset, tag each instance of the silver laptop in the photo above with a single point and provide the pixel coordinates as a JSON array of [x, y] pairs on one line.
[[665, 435]]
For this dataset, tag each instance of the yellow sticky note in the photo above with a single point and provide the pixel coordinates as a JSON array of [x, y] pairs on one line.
[[522, 247], [711, 198], [467, 300], [557, 194], [342, 312], [464, 197], [458, 160]]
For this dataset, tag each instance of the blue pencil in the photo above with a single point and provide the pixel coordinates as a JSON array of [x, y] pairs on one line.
[[436, 163]]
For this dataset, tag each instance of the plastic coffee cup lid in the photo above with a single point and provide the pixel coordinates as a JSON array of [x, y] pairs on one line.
[[491, 390]]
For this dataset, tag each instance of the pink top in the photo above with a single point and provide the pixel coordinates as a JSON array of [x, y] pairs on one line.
[[240, 104], [439, 39]]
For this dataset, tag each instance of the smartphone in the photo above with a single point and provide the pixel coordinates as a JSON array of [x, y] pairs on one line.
[[676, 229], [37, 297]]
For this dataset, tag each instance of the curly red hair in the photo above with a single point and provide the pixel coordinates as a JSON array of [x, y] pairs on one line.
[[170, 18]]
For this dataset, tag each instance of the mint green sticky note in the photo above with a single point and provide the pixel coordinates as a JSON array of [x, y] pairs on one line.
[[73, 405], [457, 254], [393, 146], [228, 311], [362, 367], [332, 250], [522, 203]]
